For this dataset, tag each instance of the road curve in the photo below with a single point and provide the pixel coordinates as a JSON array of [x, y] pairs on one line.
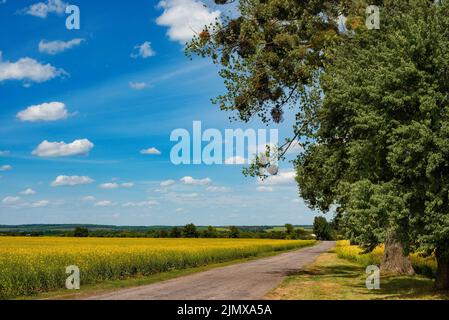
[[244, 281]]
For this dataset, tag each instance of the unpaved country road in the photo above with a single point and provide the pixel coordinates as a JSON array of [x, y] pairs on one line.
[[244, 281]]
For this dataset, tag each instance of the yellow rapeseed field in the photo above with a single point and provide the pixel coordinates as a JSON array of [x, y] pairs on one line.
[[422, 265], [31, 265]]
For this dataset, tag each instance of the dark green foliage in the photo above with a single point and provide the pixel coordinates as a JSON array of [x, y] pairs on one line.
[[189, 231], [175, 232], [234, 232], [210, 232], [81, 232], [322, 229]]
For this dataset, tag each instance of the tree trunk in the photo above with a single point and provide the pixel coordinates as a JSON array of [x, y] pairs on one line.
[[442, 280], [394, 261]]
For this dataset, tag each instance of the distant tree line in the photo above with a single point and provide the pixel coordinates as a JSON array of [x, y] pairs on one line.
[[188, 231]]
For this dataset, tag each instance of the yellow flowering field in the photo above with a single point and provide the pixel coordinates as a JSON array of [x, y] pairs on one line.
[[422, 265], [30, 265]]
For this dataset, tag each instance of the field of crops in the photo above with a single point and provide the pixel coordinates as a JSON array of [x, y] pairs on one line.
[[422, 265], [31, 265]]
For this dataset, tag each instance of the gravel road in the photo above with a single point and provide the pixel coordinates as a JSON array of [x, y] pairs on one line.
[[244, 281]]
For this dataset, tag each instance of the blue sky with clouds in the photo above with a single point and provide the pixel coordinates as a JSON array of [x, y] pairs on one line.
[[78, 107]]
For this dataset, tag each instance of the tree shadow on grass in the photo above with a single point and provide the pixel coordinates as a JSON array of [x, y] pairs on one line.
[[410, 287], [342, 271]]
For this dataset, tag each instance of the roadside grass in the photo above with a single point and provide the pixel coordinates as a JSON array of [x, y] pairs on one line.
[[333, 278], [113, 285]]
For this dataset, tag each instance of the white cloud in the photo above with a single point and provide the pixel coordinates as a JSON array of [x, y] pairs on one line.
[[127, 185], [265, 189], [42, 9], [282, 178], [143, 51], [104, 203], [138, 85], [114, 185], [4, 153], [184, 18], [6, 167], [218, 189], [10, 200], [58, 46], [71, 181], [62, 149], [150, 151], [198, 182], [235, 160], [88, 198], [28, 192], [167, 183], [40, 204], [148, 203], [44, 112], [28, 69], [109, 185]]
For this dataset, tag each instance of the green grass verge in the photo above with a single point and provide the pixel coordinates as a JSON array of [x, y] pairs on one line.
[[333, 278]]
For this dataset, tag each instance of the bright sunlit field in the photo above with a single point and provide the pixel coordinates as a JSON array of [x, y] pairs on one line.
[[31, 265]]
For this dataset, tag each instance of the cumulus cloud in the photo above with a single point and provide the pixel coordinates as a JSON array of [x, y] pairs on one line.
[[88, 198], [28, 192], [51, 111], [28, 69], [167, 183], [282, 178], [127, 185], [40, 204], [138, 85], [104, 203], [264, 189], [143, 50], [148, 203], [71, 181], [109, 185], [62, 149], [218, 189], [6, 167], [184, 18], [58, 46], [196, 182], [10, 200], [114, 185], [150, 151], [42, 9]]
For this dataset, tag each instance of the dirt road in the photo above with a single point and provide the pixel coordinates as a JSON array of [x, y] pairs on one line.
[[243, 281]]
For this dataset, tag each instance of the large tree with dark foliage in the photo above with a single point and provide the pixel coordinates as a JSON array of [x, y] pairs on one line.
[[381, 148], [370, 108]]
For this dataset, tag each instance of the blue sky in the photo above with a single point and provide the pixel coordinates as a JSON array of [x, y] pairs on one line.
[[78, 106]]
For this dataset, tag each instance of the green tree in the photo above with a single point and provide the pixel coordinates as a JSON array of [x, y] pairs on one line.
[[322, 229], [381, 150], [189, 231], [175, 232], [210, 232], [234, 232], [289, 229], [81, 232]]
